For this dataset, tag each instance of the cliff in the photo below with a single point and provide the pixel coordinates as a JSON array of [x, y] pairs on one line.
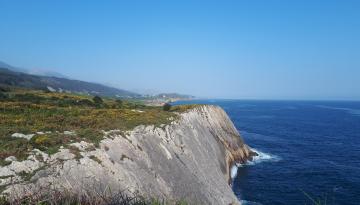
[[189, 159]]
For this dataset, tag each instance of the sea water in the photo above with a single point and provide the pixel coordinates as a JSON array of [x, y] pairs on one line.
[[308, 150]]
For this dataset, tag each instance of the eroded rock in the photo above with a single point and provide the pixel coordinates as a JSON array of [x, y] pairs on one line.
[[189, 159]]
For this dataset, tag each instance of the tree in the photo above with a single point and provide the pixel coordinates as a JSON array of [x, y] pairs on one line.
[[166, 107], [4, 89], [98, 100], [119, 103], [3, 96]]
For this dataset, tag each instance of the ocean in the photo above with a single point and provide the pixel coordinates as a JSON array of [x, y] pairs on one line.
[[309, 150]]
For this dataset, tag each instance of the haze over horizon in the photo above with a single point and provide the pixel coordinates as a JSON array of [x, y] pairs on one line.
[[230, 49]]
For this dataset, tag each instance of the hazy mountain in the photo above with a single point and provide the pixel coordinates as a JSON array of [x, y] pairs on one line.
[[9, 76], [46, 73], [13, 68], [40, 79], [32, 71]]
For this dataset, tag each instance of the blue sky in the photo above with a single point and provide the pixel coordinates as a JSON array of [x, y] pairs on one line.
[[269, 49]]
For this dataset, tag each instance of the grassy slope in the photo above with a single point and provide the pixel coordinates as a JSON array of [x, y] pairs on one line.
[[30, 111]]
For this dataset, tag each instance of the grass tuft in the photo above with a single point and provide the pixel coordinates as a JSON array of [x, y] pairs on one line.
[[50, 196]]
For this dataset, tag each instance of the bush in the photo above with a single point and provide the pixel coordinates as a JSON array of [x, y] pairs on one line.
[[86, 102], [4, 89], [119, 103], [44, 142], [166, 107], [3, 96], [98, 100], [91, 135]]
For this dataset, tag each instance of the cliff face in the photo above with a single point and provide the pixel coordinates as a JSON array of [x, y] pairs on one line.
[[188, 159]]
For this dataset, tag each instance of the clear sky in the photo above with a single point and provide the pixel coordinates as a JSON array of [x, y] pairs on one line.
[[270, 49]]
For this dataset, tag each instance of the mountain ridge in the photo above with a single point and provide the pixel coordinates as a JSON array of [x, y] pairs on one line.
[[55, 82], [21, 79]]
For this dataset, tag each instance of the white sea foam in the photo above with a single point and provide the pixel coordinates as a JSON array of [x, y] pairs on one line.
[[233, 172], [261, 157], [245, 202]]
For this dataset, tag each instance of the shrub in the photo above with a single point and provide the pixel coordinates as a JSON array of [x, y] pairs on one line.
[[3, 96], [98, 100], [166, 107], [119, 103], [47, 196], [91, 135], [42, 140], [4, 89], [86, 102]]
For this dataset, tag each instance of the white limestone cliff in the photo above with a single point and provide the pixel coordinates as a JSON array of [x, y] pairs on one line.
[[189, 159]]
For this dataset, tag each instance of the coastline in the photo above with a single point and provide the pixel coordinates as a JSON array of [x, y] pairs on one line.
[[199, 149]]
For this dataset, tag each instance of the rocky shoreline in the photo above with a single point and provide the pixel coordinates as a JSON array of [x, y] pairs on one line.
[[189, 159]]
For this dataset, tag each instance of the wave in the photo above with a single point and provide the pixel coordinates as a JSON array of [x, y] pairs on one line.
[[233, 172], [261, 157]]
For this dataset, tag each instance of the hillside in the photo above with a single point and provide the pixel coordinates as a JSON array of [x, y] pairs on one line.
[[20, 79]]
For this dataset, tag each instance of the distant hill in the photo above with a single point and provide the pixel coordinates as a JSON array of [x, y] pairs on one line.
[[11, 76], [12, 68], [32, 71]]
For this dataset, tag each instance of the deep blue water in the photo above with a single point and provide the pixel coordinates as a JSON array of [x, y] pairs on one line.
[[309, 147]]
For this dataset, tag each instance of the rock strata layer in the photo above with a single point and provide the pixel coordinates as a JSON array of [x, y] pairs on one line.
[[189, 159]]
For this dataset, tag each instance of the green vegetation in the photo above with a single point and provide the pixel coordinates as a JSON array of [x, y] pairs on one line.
[[13, 78], [119, 103], [3, 96], [166, 107], [30, 111], [50, 197], [183, 108], [95, 159], [98, 100], [50, 143]]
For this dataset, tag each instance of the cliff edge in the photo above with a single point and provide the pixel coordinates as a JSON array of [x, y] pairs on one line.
[[189, 159]]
